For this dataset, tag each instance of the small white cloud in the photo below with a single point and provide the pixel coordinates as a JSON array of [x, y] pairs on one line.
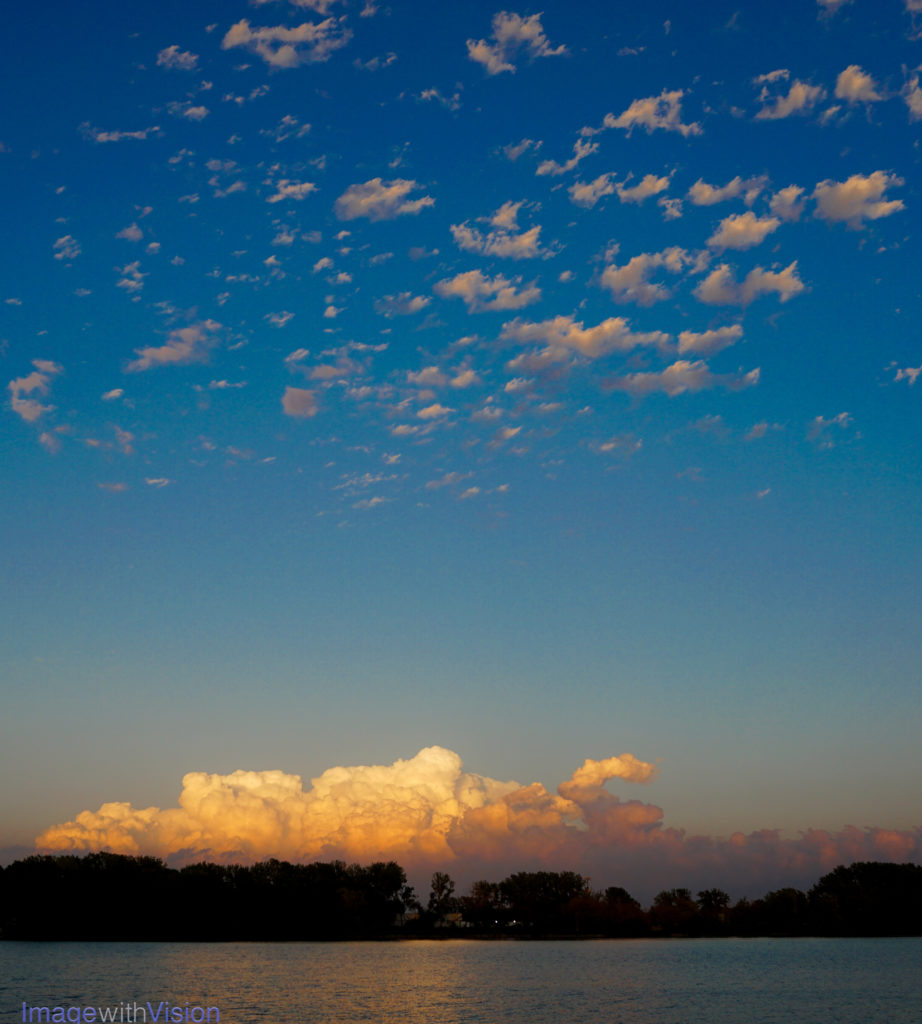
[[742, 231], [380, 200], [184, 345], [652, 113], [287, 189], [649, 185], [588, 193], [131, 234], [482, 294], [403, 304], [720, 287], [801, 98], [859, 198], [24, 389], [511, 35], [912, 94], [581, 149], [300, 403], [66, 248], [708, 343], [564, 333], [283, 47], [631, 282], [856, 86], [434, 411], [177, 60], [787, 203], [681, 377], [111, 396]]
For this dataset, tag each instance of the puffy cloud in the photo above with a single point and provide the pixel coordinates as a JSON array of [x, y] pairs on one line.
[[512, 34], [720, 287], [184, 345], [283, 47], [286, 189], [99, 135], [503, 242], [24, 389], [131, 234], [859, 198], [856, 86], [428, 376], [482, 294], [380, 200], [175, 59], [66, 248], [631, 282], [515, 149], [703, 194], [464, 379], [565, 333], [581, 149], [434, 411], [743, 231], [912, 94], [707, 343], [787, 204], [301, 403], [800, 99], [680, 377], [588, 193], [652, 112], [401, 305], [650, 185], [832, 6], [428, 812]]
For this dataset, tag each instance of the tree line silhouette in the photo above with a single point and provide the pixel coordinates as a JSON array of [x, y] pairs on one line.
[[108, 896]]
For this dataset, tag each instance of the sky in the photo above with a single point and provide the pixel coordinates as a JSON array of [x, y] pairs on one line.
[[407, 409]]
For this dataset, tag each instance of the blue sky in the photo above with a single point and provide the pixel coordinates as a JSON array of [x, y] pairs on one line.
[[540, 384]]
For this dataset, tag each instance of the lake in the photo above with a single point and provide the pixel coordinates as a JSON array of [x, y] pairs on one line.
[[662, 981]]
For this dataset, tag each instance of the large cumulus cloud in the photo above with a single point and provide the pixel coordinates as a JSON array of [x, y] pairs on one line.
[[428, 813]]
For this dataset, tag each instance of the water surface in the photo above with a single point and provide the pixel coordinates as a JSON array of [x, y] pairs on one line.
[[663, 981]]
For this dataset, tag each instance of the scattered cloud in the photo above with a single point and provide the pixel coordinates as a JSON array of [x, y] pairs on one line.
[[177, 60], [800, 98], [858, 199], [282, 47], [709, 343], [703, 194], [483, 294], [184, 345], [380, 200], [581, 149], [856, 86], [787, 203], [401, 305], [742, 231], [720, 287], [295, 190], [512, 35], [631, 282], [66, 248], [300, 403], [24, 390], [567, 333], [681, 377], [652, 113]]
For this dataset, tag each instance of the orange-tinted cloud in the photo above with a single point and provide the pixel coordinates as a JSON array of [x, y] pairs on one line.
[[428, 813]]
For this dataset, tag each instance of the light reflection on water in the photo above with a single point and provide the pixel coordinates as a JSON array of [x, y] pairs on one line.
[[703, 981]]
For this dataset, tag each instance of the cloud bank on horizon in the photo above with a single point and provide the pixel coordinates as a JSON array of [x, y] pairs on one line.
[[428, 813]]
